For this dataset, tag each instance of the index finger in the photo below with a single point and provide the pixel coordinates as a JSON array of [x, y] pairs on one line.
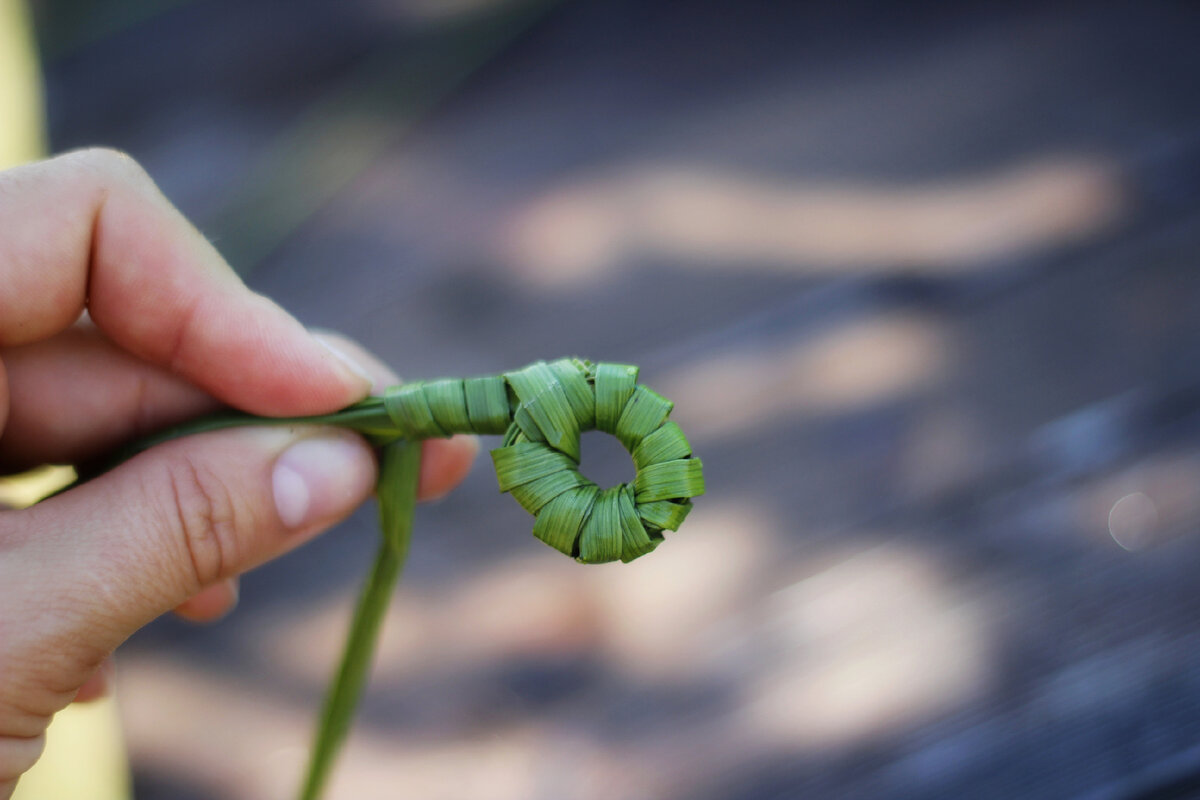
[[91, 230]]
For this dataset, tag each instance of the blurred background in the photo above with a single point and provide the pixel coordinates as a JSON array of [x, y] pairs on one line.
[[922, 282]]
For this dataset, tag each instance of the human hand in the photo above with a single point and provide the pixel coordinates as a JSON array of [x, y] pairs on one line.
[[169, 332]]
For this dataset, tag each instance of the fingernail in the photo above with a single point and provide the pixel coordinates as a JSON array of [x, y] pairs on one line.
[[321, 479], [361, 362], [348, 361]]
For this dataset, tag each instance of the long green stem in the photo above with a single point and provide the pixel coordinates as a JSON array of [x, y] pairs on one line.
[[368, 416], [399, 470]]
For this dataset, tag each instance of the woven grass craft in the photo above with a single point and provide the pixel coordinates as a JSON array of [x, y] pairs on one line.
[[541, 410]]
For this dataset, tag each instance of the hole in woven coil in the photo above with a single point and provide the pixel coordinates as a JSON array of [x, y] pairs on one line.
[[604, 461]]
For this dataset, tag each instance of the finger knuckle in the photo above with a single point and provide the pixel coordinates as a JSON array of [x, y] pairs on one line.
[[205, 519]]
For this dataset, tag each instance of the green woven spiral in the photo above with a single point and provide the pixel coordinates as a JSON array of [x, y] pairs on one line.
[[542, 409]]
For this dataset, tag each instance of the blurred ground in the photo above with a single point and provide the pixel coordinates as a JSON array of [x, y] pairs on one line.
[[922, 281]]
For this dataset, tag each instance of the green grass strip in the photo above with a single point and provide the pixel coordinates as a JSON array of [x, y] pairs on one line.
[[665, 444], [560, 521], [664, 515], [542, 396], [645, 411], [602, 534], [448, 403], [670, 480], [614, 384], [399, 472]]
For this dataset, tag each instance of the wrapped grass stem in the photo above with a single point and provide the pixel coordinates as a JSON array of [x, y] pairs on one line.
[[541, 411]]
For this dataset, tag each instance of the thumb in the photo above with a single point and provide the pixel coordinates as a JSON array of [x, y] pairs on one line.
[[89, 567]]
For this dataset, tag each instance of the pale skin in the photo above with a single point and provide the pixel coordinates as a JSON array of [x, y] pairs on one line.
[[117, 317]]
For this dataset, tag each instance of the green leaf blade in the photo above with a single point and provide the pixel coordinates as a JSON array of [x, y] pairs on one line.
[[600, 541], [560, 521], [399, 472], [665, 444], [545, 402], [645, 412], [614, 384], [487, 404], [670, 480]]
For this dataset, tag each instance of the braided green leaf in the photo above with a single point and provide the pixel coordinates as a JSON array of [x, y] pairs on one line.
[[541, 410], [408, 406], [602, 535], [520, 463], [635, 540], [560, 521], [665, 444], [547, 407], [614, 384], [645, 411], [663, 515], [533, 496], [572, 375], [669, 480], [487, 404], [447, 400]]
